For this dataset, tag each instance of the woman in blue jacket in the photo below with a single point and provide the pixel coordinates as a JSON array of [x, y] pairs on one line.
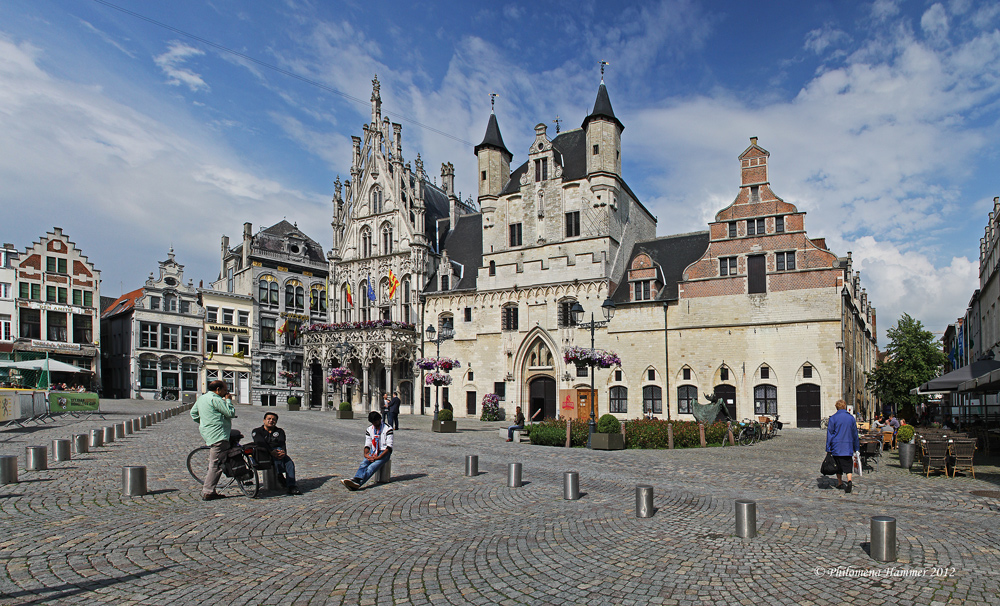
[[842, 442]]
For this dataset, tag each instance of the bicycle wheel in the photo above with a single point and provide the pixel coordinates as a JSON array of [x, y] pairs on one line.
[[197, 463], [250, 485], [746, 437]]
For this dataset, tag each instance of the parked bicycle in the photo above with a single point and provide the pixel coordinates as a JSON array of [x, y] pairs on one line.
[[824, 422], [240, 467]]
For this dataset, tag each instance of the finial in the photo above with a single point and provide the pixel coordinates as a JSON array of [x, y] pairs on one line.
[[557, 121], [493, 99], [603, 63], [375, 85]]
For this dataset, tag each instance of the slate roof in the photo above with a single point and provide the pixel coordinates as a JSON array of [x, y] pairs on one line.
[[436, 207], [602, 108], [274, 241], [493, 138], [672, 254], [570, 147], [465, 246]]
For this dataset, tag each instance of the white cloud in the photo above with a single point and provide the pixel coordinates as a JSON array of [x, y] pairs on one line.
[[170, 62], [105, 37], [934, 22], [818, 40]]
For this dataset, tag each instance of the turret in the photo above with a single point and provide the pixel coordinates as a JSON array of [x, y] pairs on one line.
[[494, 163], [604, 136]]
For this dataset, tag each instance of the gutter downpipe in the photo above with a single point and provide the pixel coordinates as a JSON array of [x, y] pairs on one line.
[[666, 361]]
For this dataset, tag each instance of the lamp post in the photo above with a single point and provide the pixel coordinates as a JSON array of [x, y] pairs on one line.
[[608, 307], [446, 334]]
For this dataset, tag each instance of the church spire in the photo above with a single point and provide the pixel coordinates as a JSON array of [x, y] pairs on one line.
[[376, 101]]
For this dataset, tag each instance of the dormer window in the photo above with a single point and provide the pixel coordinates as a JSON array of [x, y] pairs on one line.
[[754, 194], [641, 290], [541, 169], [444, 282]]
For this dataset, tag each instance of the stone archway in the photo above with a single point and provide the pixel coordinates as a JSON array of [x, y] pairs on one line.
[[542, 397]]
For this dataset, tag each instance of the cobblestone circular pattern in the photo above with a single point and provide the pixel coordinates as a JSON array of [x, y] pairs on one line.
[[433, 535]]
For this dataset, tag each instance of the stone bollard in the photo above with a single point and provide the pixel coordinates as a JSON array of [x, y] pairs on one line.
[[643, 501], [60, 450], [746, 519], [8, 469], [142, 422], [128, 427], [134, 480], [883, 541], [571, 485], [701, 434], [471, 465], [670, 436], [36, 458], [109, 434], [514, 475], [384, 473], [96, 438], [119, 431], [159, 417], [80, 443]]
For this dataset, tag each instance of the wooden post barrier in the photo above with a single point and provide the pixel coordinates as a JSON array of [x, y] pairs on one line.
[[670, 436]]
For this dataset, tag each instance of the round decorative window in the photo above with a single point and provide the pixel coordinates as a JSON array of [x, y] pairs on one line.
[[170, 281], [294, 248]]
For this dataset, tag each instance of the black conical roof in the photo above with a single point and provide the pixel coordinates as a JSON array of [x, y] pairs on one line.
[[602, 108], [493, 138]]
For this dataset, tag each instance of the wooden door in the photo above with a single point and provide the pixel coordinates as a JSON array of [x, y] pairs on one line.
[[583, 404], [807, 409]]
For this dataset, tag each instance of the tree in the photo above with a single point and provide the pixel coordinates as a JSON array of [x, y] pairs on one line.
[[915, 357]]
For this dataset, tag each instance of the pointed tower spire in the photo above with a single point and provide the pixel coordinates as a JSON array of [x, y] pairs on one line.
[[494, 159], [493, 138], [376, 101], [602, 106]]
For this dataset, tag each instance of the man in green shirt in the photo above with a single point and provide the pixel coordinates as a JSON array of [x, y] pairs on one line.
[[214, 412]]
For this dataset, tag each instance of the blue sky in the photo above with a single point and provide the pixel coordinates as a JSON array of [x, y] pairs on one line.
[[881, 117]]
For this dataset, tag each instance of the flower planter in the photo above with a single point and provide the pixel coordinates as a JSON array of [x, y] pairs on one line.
[[293, 405], [907, 452], [345, 414], [607, 441], [444, 426]]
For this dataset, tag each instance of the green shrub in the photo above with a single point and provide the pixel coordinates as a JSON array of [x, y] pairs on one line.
[[292, 400], [445, 415], [609, 424], [904, 433], [552, 432], [345, 406], [652, 433]]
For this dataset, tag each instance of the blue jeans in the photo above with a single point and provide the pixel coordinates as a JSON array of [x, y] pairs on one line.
[[369, 468], [286, 467], [510, 431]]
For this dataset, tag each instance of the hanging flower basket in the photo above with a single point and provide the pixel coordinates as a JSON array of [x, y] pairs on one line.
[[426, 363], [437, 379], [292, 378], [447, 364], [583, 356], [341, 377]]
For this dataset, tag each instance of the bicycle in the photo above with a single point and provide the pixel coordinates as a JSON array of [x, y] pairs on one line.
[[824, 422], [240, 466]]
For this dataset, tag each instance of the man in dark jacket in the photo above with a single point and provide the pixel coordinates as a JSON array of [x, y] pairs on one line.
[[842, 442], [272, 437], [394, 403]]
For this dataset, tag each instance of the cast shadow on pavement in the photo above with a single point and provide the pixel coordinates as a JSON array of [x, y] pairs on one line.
[[57, 593]]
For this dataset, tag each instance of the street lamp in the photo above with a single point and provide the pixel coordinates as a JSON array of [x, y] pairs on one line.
[[446, 334], [608, 307]]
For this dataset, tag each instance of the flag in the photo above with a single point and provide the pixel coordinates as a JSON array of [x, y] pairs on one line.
[[210, 355], [393, 284], [350, 298], [238, 354], [371, 289], [283, 328]]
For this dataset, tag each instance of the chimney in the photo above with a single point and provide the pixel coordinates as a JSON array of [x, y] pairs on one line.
[[225, 251], [247, 236], [753, 140]]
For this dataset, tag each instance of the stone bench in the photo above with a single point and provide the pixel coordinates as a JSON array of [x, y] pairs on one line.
[[519, 435]]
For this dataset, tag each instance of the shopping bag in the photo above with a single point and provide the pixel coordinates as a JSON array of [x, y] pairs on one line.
[[829, 466], [857, 463]]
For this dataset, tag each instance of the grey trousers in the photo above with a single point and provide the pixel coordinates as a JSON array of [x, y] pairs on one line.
[[216, 459]]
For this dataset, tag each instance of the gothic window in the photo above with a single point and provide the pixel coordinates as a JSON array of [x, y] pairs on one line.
[[619, 399], [652, 399], [386, 239], [539, 355], [765, 400], [565, 319], [364, 301], [366, 243], [376, 200], [686, 394]]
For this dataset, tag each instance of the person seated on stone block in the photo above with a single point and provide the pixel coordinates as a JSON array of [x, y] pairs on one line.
[[518, 424], [378, 449], [272, 438]]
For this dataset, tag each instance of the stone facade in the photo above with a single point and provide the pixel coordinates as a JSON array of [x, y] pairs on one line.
[[8, 308], [228, 340]]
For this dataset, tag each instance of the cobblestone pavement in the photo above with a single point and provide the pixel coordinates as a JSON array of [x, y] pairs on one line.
[[433, 535]]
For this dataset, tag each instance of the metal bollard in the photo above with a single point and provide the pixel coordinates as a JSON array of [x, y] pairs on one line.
[[159, 417], [883, 541], [142, 422], [80, 443], [384, 473], [60, 450], [134, 480], [128, 427], [269, 478], [514, 475], [8, 469], [119, 431], [109, 434], [36, 458], [96, 438], [571, 485], [471, 465], [643, 501], [746, 519]]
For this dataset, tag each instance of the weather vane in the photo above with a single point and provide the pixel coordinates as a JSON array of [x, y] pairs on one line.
[[493, 99], [557, 121], [603, 63]]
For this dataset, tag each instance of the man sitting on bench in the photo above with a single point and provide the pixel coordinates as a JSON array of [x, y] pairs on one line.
[[272, 438], [378, 449]]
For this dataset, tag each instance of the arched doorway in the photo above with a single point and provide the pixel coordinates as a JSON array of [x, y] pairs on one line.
[[727, 393], [807, 407], [315, 385], [542, 396]]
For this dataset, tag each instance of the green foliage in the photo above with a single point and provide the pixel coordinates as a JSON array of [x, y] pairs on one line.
[[609, 424], [905, 433], [915, 357], [292, 400], [445, 415], [345, 406], [652, 433], [552, 432]]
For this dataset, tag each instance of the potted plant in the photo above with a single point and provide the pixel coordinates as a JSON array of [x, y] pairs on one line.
[[609, 434], [445, 422], [907, 449], [345, 411], [293, 403]]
